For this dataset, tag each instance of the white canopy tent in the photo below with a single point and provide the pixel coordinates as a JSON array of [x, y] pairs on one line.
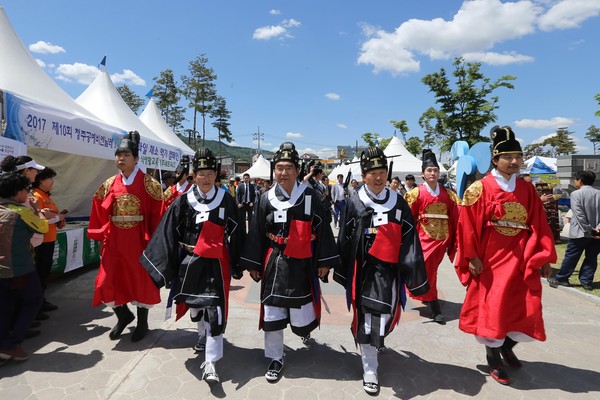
[[153, 119], [58, 132], [353, 166], [404, 162], [103, 100], [260, 169]]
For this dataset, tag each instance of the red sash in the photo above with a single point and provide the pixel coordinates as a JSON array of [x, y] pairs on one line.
[[210, 241], [298, 243], [386, 246]]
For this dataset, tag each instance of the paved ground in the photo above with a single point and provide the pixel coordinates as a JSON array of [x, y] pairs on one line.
[[74, 358]]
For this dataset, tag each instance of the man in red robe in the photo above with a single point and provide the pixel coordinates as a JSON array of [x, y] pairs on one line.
[[126, 210], [504, 245], [435, 210], [182, 184]]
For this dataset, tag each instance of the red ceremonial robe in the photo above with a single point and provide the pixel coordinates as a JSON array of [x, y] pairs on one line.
[[436, 217], [510, 234], [121, 278], [172, 193]]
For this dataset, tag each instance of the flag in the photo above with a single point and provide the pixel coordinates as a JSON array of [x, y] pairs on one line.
[[103, 62], [150, 93]]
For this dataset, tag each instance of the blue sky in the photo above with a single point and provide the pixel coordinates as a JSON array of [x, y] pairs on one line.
[[322, 73]]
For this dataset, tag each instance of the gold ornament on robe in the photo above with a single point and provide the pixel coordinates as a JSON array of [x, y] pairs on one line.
[[103, 189], [126, 205], [153, 187], [435, 228], [472, 194], [515, 212]]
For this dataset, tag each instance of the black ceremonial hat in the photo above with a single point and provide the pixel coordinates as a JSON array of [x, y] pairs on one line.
[[287, 152], [205, 159], [429, 160], [184, 164], [504, 141], [372, 158], [130, 142]]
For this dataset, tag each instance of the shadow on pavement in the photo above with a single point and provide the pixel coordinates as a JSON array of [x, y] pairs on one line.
[[55, 361], [450, 310]]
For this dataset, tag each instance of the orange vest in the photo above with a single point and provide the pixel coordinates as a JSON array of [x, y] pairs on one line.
[[44, 201]]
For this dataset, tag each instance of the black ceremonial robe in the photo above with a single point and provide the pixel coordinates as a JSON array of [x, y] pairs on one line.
[[289, 281], [376, 270], [196, 246]]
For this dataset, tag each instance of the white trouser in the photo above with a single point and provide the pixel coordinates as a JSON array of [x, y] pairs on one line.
[[214, 344], [368, 355], [516, 336], [274, 345]]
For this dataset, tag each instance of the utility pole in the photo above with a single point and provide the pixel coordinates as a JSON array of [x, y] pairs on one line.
[[258, 136]]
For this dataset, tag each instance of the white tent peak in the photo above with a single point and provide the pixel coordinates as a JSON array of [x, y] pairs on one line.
[[103, 100], [152, 118], [260, 169], [21, 74]]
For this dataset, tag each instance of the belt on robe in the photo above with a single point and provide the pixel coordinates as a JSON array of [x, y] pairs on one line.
[[126, 218], [187, 247], [438, 216], [283, 239], [371, 231], [508, 224]]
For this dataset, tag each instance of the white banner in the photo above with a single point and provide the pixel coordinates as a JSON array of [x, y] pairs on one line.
[[9, 147], [74, 249], [38, 125]]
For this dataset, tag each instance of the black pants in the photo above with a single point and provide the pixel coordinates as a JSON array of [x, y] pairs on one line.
[[44, 254], [246, 212]]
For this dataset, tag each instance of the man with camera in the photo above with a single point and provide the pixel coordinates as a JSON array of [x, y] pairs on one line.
[[584, 233]]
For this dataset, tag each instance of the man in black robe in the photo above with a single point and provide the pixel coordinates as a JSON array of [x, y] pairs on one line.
[[381, 256], [289, 246], [203, 224]]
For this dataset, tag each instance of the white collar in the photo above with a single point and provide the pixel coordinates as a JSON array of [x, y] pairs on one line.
[[182, 188], [508, 185], [434, 192], [203, 207], [129, 181], [379, 208], [380, 196], [297, 191]]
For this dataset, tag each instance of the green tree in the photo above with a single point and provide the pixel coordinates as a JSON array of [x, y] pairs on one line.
[[167, 96], [536, 149], [130, 98], [414, 145], [561, 143], [597, 97], [372, 139], [593, 135], [221, 116], [402, 127], [200, 90], [464, 109]]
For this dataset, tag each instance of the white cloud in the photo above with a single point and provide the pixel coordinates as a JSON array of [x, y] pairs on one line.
[[342, 126], [40, 63], [78, 72], [552, 123], [492, 58], [542, 138], [85, 74], [323, 153], [128, 77], [42, 47], [280, 31], [333, 96], [234, 144], [263, 144], [294, 135], [274, 12], [397, 51], [567, 14]]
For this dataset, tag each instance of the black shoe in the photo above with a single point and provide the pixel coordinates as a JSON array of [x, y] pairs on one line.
[[494, 361], [436, 312], [125, 317], [305, 339], [506, 350], [371, 388], [274, 371], [47, 306], [141, 328], [553, 282], [587, 286], [41, 316], [31, 333]]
